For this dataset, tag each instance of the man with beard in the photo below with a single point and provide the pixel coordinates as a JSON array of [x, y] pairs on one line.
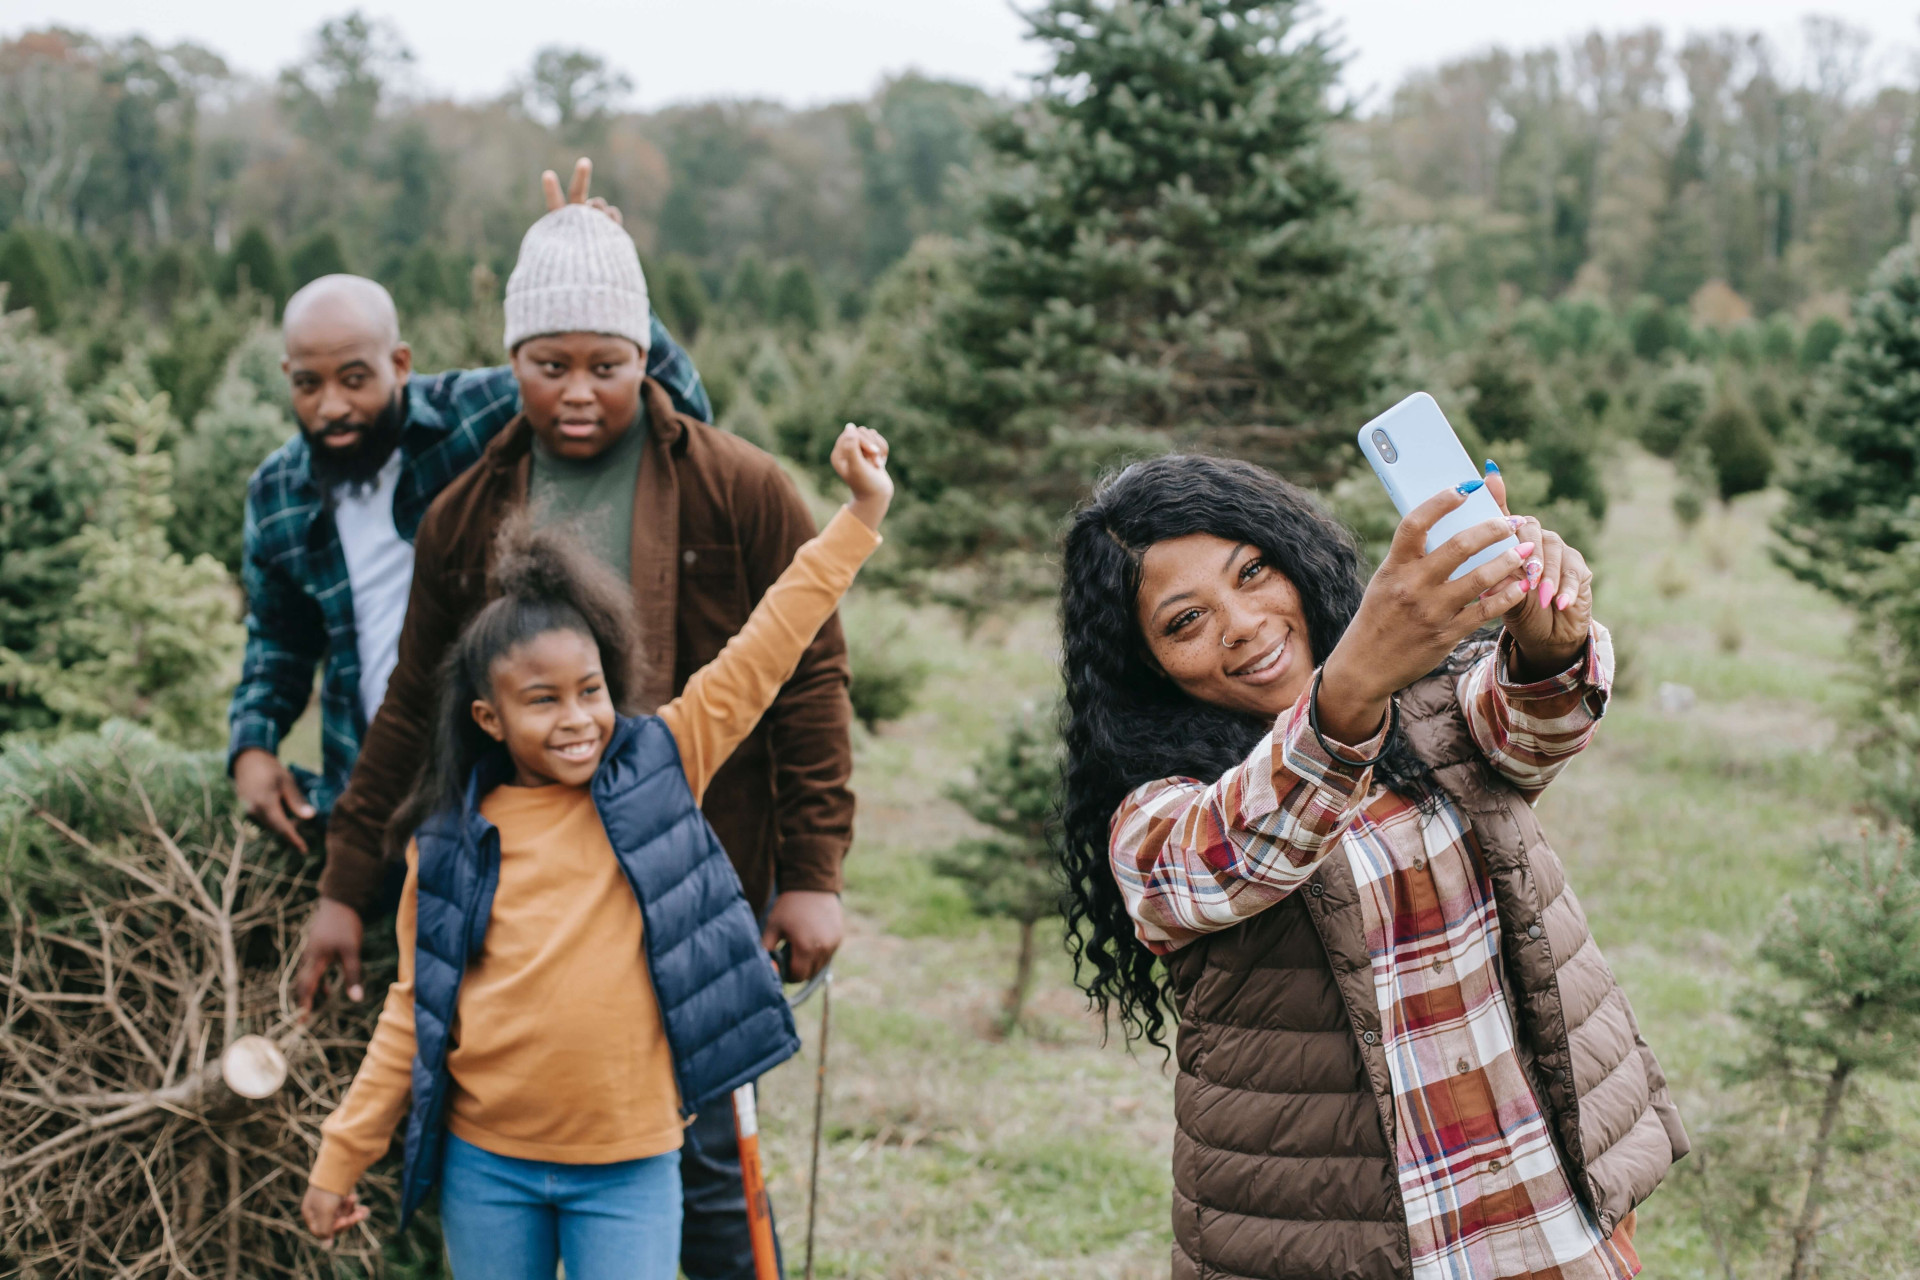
[[330, 521]]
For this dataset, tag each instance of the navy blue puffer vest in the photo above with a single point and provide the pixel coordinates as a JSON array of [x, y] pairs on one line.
[[726, 1020]]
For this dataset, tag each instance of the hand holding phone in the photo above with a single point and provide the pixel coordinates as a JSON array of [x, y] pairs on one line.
[[1414, 451], [1419, 604]]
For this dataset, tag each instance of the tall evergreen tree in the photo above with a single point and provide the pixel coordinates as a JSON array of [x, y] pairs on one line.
[[1848, 519], [1851, 526], [1167, 256]]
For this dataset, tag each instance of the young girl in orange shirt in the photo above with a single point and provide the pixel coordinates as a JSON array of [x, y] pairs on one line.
[[579, 971]]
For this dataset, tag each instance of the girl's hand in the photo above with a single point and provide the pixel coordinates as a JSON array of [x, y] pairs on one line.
[[1551, 622], [1411, 617], [327, 1214], [860, 459]]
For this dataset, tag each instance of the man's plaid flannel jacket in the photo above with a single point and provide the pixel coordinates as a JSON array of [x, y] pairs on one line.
[[299, 602]]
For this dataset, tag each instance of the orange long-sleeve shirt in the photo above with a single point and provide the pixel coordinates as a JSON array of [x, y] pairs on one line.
[[559, 1052]]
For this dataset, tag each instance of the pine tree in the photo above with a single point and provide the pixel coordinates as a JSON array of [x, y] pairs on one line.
[[254, 266], [1674, 409], [171, 276], [1010, 874], [52, 460], [28, 278], [1654, 329], [147, 636], [422, 279], [796, 298], [1738, 448], [200, 336], [1822, 338], [230, 437], [1838, 1007], [1507, 403], [747, 290], [1166, 256], [887, 678], [1848, 523], [318, 255], [1850, 526], [679, 296]]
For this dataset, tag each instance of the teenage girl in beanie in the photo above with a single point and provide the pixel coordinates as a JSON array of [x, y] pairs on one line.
[[579, 972]]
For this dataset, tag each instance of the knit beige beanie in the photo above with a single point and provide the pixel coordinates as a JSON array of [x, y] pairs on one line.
[[578, 273]]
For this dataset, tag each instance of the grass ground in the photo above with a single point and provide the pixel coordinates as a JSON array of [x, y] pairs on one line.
[[952, 1153]]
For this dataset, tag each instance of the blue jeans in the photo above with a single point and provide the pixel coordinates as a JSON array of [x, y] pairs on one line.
[[714, 1244], [508, 1219]]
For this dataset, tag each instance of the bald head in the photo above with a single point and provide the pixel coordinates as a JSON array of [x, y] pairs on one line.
[[334, 306], [348, 369]]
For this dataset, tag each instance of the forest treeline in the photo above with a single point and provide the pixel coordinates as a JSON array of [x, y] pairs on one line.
[[151, 169], [1616, 165], [1629, 164]]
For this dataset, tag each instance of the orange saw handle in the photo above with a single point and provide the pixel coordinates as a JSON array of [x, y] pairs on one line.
[[746, 1126]]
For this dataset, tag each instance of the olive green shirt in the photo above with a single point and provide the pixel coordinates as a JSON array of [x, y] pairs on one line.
[[592, 496]]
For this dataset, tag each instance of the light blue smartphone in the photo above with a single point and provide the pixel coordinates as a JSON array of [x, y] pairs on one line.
[[1416, 454]]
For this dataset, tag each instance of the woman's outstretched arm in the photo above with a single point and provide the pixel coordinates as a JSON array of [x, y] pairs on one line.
[[1192, 859], [1529, 729]]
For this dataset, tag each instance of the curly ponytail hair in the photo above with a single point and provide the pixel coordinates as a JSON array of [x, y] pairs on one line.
[[1125, 723], [540, 580]]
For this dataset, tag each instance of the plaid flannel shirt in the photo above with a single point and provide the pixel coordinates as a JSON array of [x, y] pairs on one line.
[[1486, 1196], [299, 602]]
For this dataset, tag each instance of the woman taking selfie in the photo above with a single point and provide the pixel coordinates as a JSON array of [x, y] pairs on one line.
[[1298, 811]]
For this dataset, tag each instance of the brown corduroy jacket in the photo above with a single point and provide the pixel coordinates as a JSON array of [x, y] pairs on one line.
[[715, 521], [1283, 1151]]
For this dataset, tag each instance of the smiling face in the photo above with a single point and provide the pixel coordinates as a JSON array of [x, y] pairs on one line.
[[1223, 625], [551, 708], [581, 391]]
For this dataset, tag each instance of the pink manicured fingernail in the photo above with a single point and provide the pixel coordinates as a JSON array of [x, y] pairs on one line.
[[1566, 598], [1524, 550], [1546, 593], [1533, 569]]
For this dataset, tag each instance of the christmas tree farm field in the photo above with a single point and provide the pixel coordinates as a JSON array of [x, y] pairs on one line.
[[953, 1150]]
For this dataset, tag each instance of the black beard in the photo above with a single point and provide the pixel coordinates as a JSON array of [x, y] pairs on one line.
[[359, 467]]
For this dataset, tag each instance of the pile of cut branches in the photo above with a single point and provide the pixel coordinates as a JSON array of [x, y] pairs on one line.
[[147, 928]]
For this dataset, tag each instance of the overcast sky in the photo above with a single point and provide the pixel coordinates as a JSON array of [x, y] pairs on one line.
[[811, 51]]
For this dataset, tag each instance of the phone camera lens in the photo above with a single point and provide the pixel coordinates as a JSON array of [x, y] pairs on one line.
[[1384, 444]]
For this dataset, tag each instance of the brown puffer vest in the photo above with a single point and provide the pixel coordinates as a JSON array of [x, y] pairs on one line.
[[1283, 1157]]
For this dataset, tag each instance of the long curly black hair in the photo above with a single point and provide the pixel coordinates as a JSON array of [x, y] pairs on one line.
[[1125, 723]]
